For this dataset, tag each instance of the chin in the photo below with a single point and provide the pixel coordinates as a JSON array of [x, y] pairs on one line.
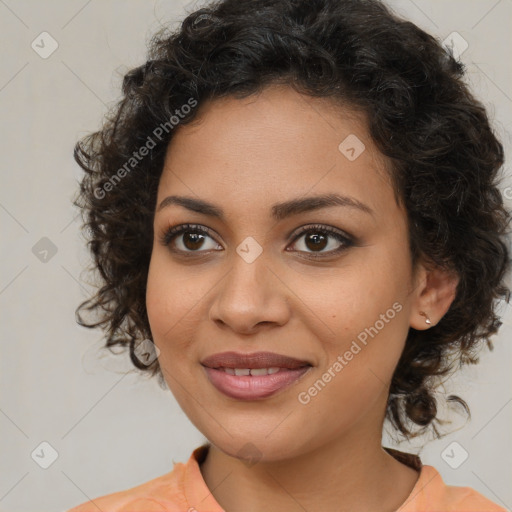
[[255, 446]]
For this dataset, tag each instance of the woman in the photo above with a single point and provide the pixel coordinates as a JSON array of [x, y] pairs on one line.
[[295, 215]]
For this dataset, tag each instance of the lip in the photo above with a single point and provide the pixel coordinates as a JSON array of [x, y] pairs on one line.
[[254, 360], [253, 387]]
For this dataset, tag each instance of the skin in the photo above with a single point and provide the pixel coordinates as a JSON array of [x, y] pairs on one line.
[[244, 155]]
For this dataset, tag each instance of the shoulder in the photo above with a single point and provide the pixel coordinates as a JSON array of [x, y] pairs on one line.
[[161, 494], [433, 494]]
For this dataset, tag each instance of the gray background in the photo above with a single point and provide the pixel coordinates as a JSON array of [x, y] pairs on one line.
[[113, 429]]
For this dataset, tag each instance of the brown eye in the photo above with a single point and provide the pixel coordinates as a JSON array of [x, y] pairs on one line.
[[317, 238], [192, 241], [316, 241], [188, 238]]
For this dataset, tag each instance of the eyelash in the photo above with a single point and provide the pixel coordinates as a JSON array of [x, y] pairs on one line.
[[172, 232]]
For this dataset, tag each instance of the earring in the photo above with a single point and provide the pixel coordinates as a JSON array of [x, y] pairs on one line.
[[427, 318]]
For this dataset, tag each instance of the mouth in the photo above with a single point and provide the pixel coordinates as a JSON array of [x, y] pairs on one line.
[[253, 376], [254, 361]]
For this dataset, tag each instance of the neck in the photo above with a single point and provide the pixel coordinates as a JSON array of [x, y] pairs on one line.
[[349, 473]]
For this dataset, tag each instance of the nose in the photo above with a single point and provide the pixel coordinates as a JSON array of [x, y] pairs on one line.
[[249, 296]]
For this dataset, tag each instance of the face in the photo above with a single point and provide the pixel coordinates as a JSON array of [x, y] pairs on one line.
[[326, 284]]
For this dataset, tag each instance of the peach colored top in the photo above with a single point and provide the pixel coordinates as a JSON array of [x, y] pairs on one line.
[[183, 489]]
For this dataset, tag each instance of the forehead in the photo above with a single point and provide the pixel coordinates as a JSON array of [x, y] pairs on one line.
[[275, 145]]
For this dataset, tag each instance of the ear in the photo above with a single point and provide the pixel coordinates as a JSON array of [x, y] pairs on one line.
[[435, 289]]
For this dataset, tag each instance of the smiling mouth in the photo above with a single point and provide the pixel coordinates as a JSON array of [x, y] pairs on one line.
[[253, 361], [252, 383], [253, 376]]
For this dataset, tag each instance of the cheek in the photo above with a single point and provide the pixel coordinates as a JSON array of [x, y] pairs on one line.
[[360, 317], [175, 296], [157, 295], [355, 381], [167, 307], [345, 302], [171, 294], [165, 312]]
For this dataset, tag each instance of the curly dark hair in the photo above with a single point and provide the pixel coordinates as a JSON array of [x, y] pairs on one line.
[[444, 155]]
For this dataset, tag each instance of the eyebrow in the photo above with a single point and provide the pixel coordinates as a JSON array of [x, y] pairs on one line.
[[280, 211]]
